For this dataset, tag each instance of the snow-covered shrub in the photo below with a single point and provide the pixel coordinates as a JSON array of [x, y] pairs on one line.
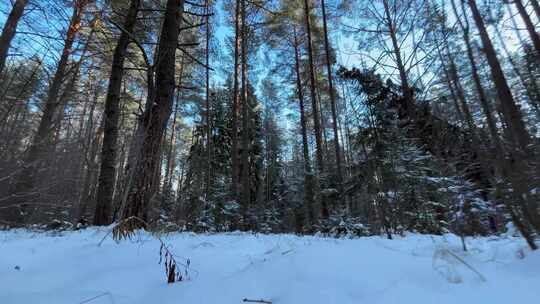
[[349, 228]]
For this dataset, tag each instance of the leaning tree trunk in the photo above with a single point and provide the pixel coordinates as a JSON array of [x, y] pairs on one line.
[[529, 85], [529, 25], [69, 86], [480, 92], [484, 103], [531, 63], [156, 115], [39, 147], [109, 153], [511, 113], [9, 30], [521, 151], [315, 105], [536, 8]]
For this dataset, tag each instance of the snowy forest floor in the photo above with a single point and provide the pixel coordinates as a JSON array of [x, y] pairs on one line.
[[70, 267]]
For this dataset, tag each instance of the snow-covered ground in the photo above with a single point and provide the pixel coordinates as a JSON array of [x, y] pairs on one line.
[[226, 268]]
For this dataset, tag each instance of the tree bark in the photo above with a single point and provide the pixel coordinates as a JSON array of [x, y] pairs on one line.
[[75, 70], [171, 162], [156, 115], [89, 186], [235, 99], [308, 174], [511, 113], [109, 153], [523, 229], [535, 38], [405, 87], [450, 84], [460, 94], [332, 101], [89, 151], [315, 105], [9, 30], [480, 92], [515, 167], [208, 106], [246, 190]]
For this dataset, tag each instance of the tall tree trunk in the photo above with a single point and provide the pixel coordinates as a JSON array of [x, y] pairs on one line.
[[511, 113], [535, 38], [453, 95], [347, 134], [482, 98], [107, 173], [332, 101], [75, 70], [171, 162], [156, 115], [514, 168], [460, 94], [235, 99], [480, 92], [170, 153], [88, 149], [405, 87], [208, 106], [88, 193], [9, 30], [321, 116], [246, 190], [36, 157], [313, 85], [308, 174]]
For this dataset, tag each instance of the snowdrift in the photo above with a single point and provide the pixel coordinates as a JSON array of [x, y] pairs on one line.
[[70, 268]]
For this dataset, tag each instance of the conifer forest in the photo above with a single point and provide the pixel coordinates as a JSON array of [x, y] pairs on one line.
[[400, 120]]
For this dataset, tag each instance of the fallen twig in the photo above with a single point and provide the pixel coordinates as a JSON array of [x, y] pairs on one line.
[[93, 298], [482, 278], [257, 301], [288, 251]]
